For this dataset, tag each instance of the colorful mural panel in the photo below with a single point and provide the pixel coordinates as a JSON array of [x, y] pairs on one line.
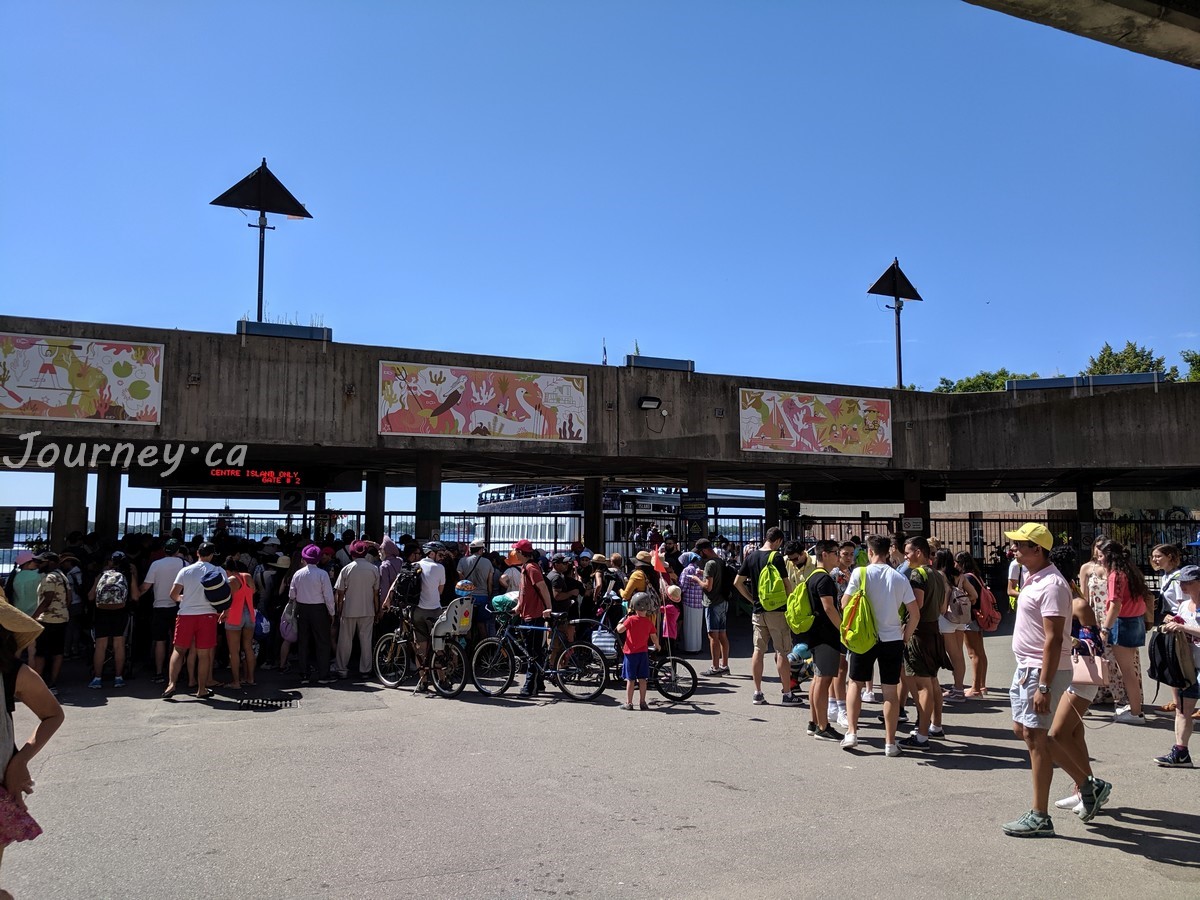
[[786, 422], [447, 401], [80, 378]]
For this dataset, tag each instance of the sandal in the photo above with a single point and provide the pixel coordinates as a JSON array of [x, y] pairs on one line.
[[1168, 707], [207, 695], [645, 707]]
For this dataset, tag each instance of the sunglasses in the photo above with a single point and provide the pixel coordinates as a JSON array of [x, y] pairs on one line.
[[1028, 545]]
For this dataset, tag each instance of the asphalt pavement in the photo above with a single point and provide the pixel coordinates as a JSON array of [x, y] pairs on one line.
[[357, 791]]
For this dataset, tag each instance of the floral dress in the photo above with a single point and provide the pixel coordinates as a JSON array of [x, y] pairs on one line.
[[1114, 692]]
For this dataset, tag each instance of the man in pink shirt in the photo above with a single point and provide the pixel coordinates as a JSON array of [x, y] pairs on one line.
[[1042, 646]]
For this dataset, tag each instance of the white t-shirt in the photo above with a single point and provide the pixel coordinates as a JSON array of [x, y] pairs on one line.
[[193, 603], [887, 590], [1017, 573], [1172, 593], [162, 574], [433, 579]]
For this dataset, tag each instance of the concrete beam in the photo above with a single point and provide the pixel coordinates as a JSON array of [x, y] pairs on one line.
[[1168, 31]]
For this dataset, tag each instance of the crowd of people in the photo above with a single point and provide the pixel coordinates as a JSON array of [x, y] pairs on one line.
[[187, 609]]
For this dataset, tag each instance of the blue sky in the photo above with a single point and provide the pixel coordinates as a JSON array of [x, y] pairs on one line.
[[719, 181]]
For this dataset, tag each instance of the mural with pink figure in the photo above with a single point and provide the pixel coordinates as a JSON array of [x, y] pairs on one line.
[[447, 401], [786, 422], [80, 378]]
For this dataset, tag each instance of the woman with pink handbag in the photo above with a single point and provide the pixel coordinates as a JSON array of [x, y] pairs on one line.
[[1089, 671]]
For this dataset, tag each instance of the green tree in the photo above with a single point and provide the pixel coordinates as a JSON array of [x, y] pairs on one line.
[[981, 381], [1127, 361], [1192, 359]]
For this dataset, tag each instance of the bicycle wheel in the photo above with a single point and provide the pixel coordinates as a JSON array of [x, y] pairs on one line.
[[391, 660], [581, 673], [492, 667], [675, 678], [449, 670]]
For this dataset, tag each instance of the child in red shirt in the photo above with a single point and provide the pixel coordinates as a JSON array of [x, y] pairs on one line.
[[638, 629]]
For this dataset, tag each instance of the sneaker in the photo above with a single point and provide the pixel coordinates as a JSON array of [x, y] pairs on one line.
[[267, 667], [937, 731], [1072, 802], [1122, 709], [914, 742], [724, 670], [790, 699], [812, 728], [1128, 718], [327, 681], [867, 696], [759, 699], [850, 741], [842, 720], [828, 734], [625, 706], [158, 679], [832, 711], [1031, 824], [118, 682], [711, 671], [95, 684], [902, 718], [1092, 797], [891, 749], [1177, 758]]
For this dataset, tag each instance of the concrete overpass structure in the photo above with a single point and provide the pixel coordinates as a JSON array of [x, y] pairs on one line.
[[314, 405], [1168, 31]]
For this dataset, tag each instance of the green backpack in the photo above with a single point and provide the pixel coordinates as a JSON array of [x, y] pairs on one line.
[[800, 614], [772, 592], [859, 632]]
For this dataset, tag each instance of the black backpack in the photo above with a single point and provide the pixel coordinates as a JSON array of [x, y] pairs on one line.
[[1171, 659], [406, 588], [728, 573]]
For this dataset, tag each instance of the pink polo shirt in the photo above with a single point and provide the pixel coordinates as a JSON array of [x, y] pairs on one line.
[[1045, 594]]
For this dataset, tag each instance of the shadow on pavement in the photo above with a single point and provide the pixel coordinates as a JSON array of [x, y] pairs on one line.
[[1180, 847]]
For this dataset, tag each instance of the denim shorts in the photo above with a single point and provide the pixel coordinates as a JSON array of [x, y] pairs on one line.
[[1192, 692], [716, 616], [1129, 632]]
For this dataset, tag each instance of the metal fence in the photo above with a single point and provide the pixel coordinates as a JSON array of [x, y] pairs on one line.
[[30, 530], [982, 536]]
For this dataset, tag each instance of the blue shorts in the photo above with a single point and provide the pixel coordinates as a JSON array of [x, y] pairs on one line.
[[1130, 632], [716, 616], [1191, 692], [635, 666]]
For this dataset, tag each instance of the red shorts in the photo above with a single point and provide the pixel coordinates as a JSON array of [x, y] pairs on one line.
[[200, 629]]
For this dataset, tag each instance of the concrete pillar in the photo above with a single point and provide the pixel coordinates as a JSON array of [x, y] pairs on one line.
[[1085, 510], [429, 496], [374, 506], [593, 514], [915, 506], [70, 506], [165, 503], [697, 491], [770, 505], [108, 502]]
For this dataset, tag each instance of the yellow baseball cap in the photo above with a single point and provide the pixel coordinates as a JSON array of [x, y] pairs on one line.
[[1033, 531]]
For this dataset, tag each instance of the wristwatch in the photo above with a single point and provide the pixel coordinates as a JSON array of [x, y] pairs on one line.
[[1043, 688]]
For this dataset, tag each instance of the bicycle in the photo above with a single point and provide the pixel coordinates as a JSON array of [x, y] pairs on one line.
[[447, 665], [672, 676], [578, 668]]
